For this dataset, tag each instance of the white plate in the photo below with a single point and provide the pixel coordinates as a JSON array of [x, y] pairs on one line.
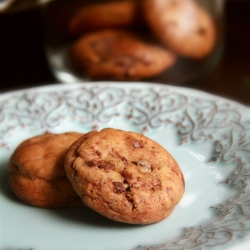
[[209, 136]]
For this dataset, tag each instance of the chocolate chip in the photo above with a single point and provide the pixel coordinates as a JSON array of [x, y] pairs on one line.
[[119, 187], [98, 153], [146, 166], [127, 176], [134, 206], [129, 198], [133, 142], [90, 163], [106, 165]]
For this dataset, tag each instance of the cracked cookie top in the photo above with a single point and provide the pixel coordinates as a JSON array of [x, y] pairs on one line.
[[124, 176]]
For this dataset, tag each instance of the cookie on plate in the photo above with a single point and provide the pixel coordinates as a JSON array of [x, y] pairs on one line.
[[119, 14], [119, 55], [36, 171], [182, 25], [124, 176]]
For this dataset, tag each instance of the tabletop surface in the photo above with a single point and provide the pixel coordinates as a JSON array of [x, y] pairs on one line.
[[23, 62]]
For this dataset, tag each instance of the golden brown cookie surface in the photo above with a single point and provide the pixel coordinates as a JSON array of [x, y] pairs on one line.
[[124, 176], [36, 171], [182, 25], [120, 55]]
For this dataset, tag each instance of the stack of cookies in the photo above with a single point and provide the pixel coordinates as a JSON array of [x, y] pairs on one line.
[[122, 175], [111, 42]]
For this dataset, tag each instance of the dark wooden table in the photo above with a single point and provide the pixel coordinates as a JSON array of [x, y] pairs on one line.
[[23, 63]]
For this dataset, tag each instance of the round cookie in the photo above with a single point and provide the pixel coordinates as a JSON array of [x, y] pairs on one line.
[[124, 176], [120, 55], [36, 171], [119, 14], [182, 25]]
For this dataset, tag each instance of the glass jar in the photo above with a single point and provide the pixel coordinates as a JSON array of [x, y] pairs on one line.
[[166, 41]]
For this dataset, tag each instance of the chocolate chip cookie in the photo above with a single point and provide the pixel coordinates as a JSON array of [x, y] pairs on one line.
[[36, 171], [182, 25], [124, 176], [119, 14], [119, 55]]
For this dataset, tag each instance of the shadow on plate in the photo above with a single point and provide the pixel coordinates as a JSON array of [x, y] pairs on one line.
[[80, 215], [86, 216]]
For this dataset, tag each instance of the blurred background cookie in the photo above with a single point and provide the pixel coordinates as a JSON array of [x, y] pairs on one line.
[[120, 14], [120, 55], [36, 171], [124, 176], [182, 25]]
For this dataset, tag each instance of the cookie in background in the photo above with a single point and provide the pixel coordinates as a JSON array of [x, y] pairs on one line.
[[190, 30]]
